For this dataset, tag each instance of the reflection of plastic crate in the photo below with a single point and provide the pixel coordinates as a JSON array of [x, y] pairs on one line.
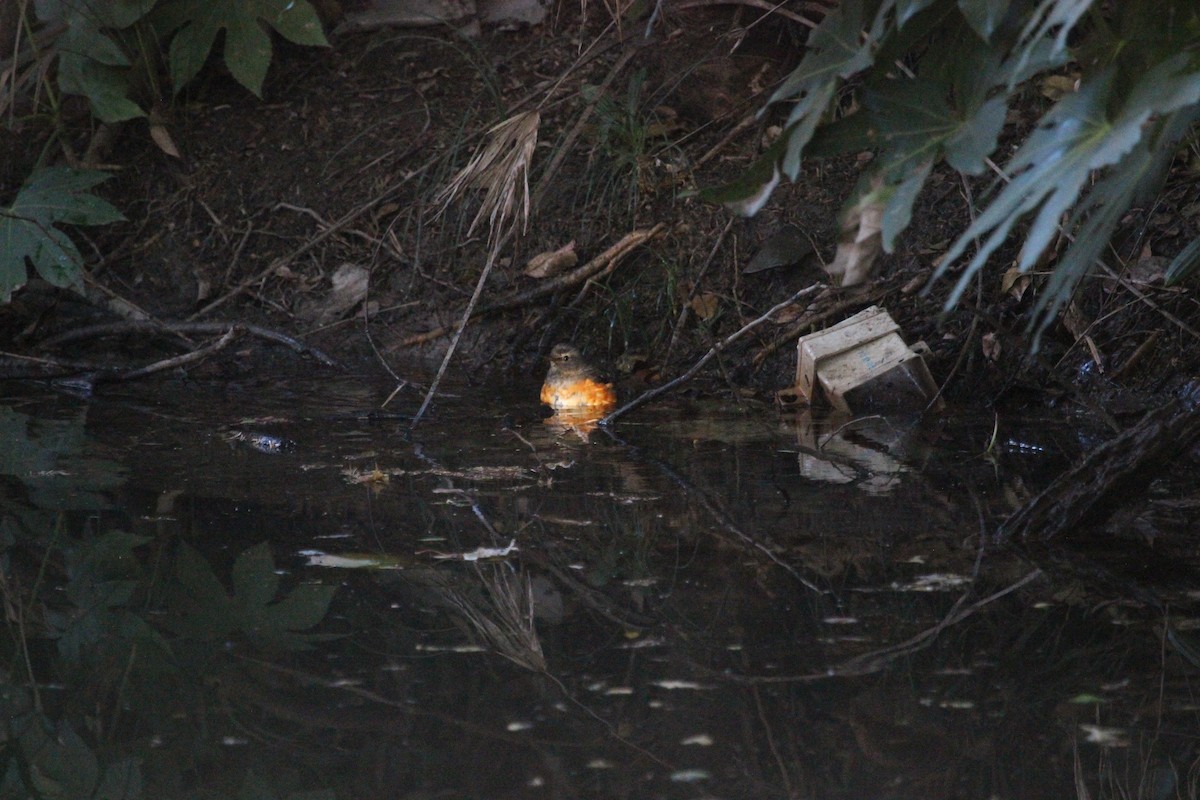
[[861, 363]]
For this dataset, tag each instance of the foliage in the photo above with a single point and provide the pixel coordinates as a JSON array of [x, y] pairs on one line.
[[935, 79], [28, 227], [112, 53], [113, 49]]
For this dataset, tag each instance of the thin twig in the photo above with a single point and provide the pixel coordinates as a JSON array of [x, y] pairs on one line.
[[493, 255], [560, 155], [177, 361], [770, 8], [812, 320], [647, 396], [340, 223], [603, 263], [876, 660], [687, 304]]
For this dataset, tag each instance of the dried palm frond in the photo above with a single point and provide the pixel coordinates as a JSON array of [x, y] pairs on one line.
[[501, 168]]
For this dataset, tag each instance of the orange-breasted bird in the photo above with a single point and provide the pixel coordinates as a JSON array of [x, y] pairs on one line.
[[573, 385]]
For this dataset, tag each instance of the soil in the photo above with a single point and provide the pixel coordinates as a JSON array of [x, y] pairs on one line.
[[345, 159]]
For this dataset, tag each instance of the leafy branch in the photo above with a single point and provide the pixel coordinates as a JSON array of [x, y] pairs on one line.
[[934, 80], [28, 227]]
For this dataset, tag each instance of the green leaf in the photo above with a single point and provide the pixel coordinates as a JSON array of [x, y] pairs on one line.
[[106, 88], [1184, 264], [247, 47], [304, 607], [107, 14], [1075, 138], [907, 9], [1057, 17], [201, 607], [746, 195], [984, 15], [122, 781], [50, 196], [59, 194], [897, 210], [92, 64], [836, 50], [974, 140]]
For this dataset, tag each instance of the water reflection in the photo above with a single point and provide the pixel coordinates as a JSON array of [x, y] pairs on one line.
[[708, 602]]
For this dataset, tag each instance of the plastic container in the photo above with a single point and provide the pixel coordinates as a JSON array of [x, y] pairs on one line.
[[863, 364]]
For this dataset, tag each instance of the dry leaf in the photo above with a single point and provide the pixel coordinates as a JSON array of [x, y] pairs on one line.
[[552, 262], [789, 314], [991, 346], [1055, 87], [1014, 282], [1074, 320], [861, 242], [785, 247], [501, 168], [1149, 270], [163, 139], [350, 284], [706, 305], [915, 283]]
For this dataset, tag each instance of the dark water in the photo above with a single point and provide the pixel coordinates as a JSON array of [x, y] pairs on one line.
[[257, 590]]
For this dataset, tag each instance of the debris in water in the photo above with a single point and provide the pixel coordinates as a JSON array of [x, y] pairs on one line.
[[479, 553], [862, 364]]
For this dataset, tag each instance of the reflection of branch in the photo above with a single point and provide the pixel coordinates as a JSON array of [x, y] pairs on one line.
[[719, 514], [181, 328], [876, 660]]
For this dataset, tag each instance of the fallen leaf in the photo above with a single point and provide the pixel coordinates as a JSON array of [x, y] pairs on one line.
[[788, 314], [350, 284], [991, 346], [915, 283], [1014, 282], [1148, 270], [785, 247], [552, 262], [162, 138], [1055, 87], [706, 305]]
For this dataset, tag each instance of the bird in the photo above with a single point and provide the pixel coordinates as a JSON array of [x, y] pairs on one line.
[[573, 385]]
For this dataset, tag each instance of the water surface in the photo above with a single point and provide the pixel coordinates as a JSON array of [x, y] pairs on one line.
[[268, 588]]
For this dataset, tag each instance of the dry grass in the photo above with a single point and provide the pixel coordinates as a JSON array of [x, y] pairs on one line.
[[501, 168]]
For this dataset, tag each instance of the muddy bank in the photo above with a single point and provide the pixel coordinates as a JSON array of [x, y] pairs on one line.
[[319, 213]]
